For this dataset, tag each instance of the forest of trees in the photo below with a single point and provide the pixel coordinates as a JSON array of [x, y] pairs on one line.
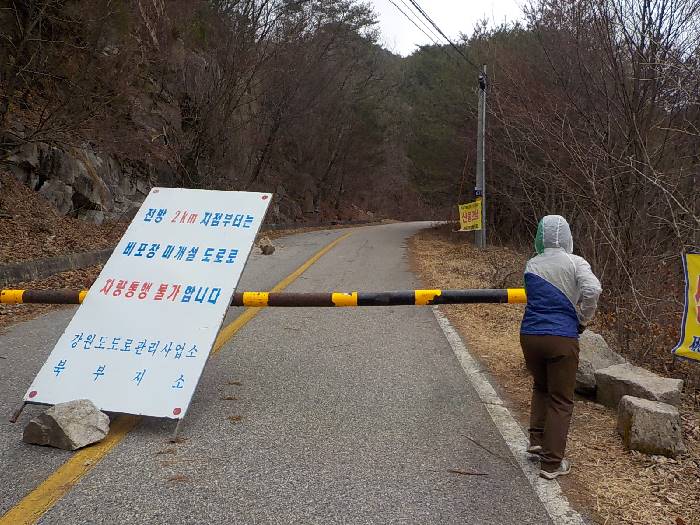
[[593, 113]]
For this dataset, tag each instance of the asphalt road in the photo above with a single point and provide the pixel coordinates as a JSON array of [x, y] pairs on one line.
[[346, 415]]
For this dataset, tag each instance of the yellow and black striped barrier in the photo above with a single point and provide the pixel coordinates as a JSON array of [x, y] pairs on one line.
[[291, 299]]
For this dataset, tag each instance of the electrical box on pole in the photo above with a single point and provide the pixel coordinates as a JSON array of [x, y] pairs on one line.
[[480, 191]]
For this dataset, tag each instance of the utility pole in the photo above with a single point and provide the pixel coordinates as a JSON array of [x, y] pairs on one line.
[[480, 190]]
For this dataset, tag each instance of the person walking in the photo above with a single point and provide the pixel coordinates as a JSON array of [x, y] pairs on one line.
[[562, 297]]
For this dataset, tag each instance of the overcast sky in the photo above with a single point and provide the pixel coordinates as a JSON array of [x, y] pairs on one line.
[[452, 16]]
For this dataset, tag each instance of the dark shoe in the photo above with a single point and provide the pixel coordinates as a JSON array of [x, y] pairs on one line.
[[549, 472]]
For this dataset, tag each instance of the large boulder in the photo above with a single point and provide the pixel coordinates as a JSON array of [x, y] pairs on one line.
[[651, 427], [594, 354], [625, 379], [68, 426]]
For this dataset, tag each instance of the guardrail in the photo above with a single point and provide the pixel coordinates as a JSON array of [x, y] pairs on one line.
[[293, 299]]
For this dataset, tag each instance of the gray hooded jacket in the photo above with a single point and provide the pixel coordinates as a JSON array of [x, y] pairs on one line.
[[562, 291]]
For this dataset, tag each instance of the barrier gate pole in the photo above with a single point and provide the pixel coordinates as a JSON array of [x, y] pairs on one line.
[[301, 300]]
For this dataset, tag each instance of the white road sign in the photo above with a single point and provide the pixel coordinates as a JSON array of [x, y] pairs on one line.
[[139, 341]]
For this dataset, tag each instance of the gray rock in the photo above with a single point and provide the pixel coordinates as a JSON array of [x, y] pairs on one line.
[[266, 246], [594, 354], [26, 156], [625, 379], [94, 216], [651, 427], [68, 426], [59, 194]]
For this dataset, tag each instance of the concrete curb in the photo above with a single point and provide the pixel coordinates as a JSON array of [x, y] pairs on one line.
[[40, 268]]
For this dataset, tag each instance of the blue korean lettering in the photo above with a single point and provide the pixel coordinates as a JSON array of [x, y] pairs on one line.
[[214, 295], [129, 248], [76, 339], [192, 352], [220, 254], [206, 219], [88, 341], [149, 215], [127, 345], [187, 295], [232, 256], [227, 219], [216, 219], [192, 254], [169, 249], [142, 248], [140, 346], [153, 347], [101, 343], [152, 251], [99, 372], [178, 350], [180, 252], [115, 343], [237, 221], [60, 367], [167, 348], [179, 382], [139, 376], [207, 255], [247, 223], [161, 214], [201, 294]]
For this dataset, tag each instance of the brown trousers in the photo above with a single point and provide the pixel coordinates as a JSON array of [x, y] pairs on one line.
[[552, 361]]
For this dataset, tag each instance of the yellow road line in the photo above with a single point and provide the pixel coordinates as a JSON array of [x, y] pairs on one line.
[[226, 333], [40, 500], [57, 485]]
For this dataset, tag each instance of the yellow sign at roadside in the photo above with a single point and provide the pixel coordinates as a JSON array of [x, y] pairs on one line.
[[689, 345], [470, 216]]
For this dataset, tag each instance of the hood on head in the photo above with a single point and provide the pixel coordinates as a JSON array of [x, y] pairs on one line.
[[553, 232]]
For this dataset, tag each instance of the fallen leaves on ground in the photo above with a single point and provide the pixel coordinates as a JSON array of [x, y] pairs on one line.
[[33, 229], [615, 485]]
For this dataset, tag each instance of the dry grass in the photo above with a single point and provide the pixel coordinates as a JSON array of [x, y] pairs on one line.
[[615, 485]]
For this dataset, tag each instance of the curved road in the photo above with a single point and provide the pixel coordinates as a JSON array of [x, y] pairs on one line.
[[305, 416]]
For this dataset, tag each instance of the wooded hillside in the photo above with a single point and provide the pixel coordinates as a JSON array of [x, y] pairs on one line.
[[593, 113]]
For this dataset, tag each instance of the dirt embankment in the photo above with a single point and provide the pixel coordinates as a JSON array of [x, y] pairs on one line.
[[31, 228], [616, 485]]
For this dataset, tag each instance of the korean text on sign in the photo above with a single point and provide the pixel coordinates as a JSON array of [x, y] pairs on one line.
[[140, 339]]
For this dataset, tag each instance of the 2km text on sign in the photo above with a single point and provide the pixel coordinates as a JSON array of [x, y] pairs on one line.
[[139, 342]]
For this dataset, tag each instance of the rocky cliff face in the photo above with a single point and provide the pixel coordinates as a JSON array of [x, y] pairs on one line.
[[84, 182]]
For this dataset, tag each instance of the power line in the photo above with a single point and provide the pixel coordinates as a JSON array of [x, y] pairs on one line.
[[413, 22], [430, 20], [426, 26], [439, 45]]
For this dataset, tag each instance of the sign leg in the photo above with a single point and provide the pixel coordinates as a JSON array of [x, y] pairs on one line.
[[15, 415], [173, 439]]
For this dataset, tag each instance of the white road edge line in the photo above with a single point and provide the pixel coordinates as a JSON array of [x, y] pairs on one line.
[[549, 492]]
